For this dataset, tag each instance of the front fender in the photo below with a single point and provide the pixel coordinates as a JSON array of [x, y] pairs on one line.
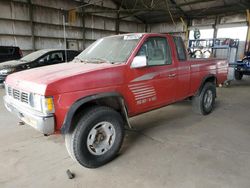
[[72, 110]]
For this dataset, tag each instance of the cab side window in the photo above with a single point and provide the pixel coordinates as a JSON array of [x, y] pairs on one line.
[[157, 51], [180, 49]]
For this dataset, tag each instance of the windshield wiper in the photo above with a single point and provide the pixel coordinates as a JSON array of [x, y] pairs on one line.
[[93, 60], [81, 60], [101, 60]]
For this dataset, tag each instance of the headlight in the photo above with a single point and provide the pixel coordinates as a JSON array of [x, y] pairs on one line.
[[36, 102], [7, 71], [42, 103]]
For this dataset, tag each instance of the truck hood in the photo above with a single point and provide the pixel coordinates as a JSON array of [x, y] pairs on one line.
[[65, 77]]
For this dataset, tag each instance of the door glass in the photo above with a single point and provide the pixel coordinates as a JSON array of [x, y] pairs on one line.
[[157, 51], [44, 60], [72, 54], [56, 57], [180, 48]]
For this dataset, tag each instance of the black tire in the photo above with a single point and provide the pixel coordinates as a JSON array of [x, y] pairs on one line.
[[227, 83], [238, 75], [68, 144], [76, 142], [199, 102]]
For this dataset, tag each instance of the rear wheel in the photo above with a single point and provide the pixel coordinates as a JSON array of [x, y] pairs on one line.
[[68, 144], [203, 103], [238, 75], [97, 138], [227, 83]]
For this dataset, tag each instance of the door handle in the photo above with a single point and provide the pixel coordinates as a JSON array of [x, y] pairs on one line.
[[171, 75]]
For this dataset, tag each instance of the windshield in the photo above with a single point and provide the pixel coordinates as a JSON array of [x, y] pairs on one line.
[[33, 56], [115, 49]]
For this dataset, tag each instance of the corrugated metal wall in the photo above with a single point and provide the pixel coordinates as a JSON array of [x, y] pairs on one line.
[[38, 24], [205, 23]]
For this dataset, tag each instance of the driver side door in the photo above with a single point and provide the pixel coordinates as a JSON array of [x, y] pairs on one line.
[[153, 86]]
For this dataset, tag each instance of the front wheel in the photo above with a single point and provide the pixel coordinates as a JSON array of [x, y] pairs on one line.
[[97, 137], [204, 102]]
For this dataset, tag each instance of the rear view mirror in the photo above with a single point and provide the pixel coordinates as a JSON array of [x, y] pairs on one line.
[[139, 62]]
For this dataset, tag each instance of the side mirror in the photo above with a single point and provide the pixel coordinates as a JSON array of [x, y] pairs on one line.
[[139, 62]]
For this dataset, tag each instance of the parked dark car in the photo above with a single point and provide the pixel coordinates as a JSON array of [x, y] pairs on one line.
[[36, 59], [10, 53]]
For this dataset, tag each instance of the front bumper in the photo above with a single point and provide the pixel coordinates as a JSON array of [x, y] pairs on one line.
[[41, 122]]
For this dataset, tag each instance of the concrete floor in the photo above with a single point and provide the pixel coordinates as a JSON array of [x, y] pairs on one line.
[[172, 147]]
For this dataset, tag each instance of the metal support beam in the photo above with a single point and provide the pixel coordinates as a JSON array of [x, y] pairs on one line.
[[185, 26], [217, 21], [247, 47], [179, 8], [83, 26], [31, 25], [147, 27], [194, 2], [130, 12], [31, 19], [232, 8], [117, 21]]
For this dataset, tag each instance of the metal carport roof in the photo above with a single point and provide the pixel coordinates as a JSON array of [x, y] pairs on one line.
[[153, 11]]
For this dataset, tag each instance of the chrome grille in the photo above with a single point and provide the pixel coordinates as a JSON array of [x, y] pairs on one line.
[[24, 97], [9, 91], [18, 95]]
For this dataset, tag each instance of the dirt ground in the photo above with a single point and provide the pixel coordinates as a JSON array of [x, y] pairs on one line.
[[170, 147]]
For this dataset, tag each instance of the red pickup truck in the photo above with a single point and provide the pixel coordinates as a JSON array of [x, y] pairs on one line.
[[90, 99]]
